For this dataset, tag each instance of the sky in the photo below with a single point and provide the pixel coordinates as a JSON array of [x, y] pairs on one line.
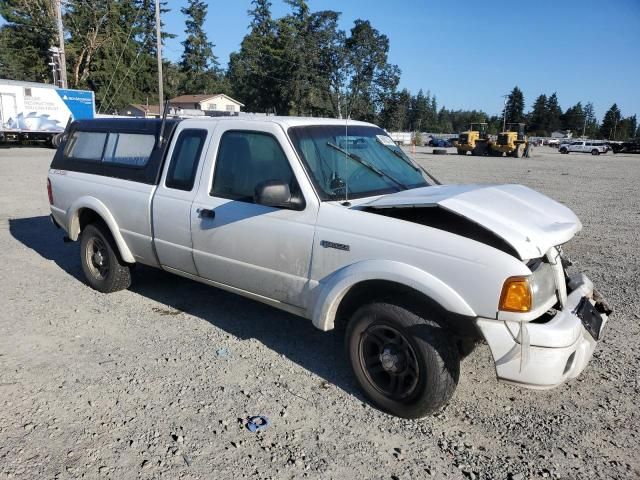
[[471, 53]]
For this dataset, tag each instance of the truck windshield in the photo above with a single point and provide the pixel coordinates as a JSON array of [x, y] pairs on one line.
[[354, 161]]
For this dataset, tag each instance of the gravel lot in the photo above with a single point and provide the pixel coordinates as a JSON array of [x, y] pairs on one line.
[[150, 382]]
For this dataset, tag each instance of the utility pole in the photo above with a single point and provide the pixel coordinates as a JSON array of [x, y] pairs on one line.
[[159, 52], [63, 58], [504, 113], [55, 60]]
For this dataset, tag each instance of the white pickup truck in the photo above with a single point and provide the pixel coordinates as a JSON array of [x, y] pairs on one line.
[[584, 146], [333, 222]]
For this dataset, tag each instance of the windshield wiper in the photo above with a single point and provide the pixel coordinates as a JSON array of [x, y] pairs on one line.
[[399, 155], [373, 168], [408, 161]]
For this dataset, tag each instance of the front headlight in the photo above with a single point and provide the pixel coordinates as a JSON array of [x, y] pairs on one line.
[[543, 284], [524, 294]]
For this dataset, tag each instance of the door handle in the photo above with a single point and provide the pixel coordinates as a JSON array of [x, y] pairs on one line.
[[206, 213]]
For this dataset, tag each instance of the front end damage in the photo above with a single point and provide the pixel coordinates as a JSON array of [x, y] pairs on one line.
[[551, 339], [556, 346]]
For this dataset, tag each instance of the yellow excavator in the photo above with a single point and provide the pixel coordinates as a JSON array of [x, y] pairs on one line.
[[474, 140], [512, 141]]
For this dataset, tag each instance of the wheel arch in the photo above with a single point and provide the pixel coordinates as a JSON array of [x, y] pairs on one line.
[[87, 210], [364, 281]]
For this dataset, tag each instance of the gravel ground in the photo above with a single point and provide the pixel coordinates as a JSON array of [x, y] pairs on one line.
[[151, 382]]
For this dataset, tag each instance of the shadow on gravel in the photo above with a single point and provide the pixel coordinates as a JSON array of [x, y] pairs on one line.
[[297, 339], [322, 353], [40, 235]]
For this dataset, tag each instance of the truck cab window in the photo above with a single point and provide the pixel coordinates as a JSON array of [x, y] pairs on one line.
[[184, 161], [246, 159]]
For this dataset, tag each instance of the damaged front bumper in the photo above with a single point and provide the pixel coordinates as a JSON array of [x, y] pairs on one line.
[[547, 352]]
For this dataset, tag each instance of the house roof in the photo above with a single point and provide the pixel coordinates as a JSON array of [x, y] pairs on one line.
[[152, 109], [202, 98]]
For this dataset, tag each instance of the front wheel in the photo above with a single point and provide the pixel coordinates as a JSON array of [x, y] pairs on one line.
[[101, 263], [405, 364], [595, 152], [564, 150]]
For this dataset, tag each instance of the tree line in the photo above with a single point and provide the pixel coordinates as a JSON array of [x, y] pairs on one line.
[[546, 116], [299, 64]]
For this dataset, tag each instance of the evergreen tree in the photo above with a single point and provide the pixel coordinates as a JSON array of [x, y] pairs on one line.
[[145, 25], [626, 128], [26, 38], [574, 119], [370, 75], [554, 114], [610, 122], [514, 108], [295, 45], [102, 52], [445, 124], [198, 63], [538, 118], [146, 39], [419, 111], [591, 130]]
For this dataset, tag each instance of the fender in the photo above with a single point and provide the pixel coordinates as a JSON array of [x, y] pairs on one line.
[[335, 287], [73, 223]]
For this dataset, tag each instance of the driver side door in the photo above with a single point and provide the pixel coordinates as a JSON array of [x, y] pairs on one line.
[[236, 242]]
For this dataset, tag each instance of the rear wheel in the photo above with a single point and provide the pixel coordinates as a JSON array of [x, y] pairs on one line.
[[564, 150], [101, 263], [405, 364], [461, 152], [595, 152]]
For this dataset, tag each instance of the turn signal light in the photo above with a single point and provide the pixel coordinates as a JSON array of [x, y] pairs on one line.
[[516, 295]]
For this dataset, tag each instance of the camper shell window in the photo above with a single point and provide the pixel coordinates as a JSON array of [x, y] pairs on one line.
[[119, 148]]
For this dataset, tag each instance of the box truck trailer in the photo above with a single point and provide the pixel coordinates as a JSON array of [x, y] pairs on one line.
[[38, 111]]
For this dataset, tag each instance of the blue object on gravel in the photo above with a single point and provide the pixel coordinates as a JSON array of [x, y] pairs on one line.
[[259, 422]]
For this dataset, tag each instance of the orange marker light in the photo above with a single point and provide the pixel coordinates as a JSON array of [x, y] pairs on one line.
[[516, 295]]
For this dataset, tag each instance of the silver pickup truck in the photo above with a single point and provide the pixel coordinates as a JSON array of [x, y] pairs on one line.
[[331, 221]]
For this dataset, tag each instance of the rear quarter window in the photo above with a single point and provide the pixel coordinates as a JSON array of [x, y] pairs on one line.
[[86, 146], [132, 149]]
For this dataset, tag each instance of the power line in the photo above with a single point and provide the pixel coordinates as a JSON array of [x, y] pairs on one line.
[[115, 70], [126, 75]]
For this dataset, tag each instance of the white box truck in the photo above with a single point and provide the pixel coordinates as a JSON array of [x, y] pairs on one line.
[[38, 111]]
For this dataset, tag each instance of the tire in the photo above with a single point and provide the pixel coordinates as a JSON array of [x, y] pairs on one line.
[[421, 363], [101, 263], [519, 151], [595, 152], [440, 151], [461, 152], [564, 151], [480, 149]]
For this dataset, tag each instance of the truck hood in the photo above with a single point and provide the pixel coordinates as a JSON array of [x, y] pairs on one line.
[[528, 221]]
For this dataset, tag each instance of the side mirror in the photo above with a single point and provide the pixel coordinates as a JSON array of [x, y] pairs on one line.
[[276, 193]]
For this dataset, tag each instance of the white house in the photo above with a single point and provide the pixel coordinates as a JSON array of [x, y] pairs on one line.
[[560, 134], [208, 103]]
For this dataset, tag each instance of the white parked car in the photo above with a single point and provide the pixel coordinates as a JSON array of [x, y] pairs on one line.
[[582, 146], [334, 223]]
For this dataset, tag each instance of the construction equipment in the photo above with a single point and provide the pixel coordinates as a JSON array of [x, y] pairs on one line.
[[513, 141], [474, 140]]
